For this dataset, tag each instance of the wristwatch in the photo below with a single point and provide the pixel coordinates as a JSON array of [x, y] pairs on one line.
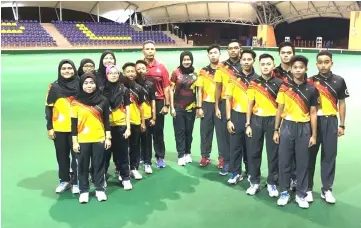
[[277, 129], [167, 105], [342, 126], [247, 125], [229, 119]]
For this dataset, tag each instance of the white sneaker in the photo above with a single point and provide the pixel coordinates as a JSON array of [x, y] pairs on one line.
[[75, 189], [181, 161], [328, 197], [135, 174], [253, 189], [309, 197], [188, 158], [127, 185], [62, 187], [302, 202], [120, 178], [235, 178], [272, 190], [101, 195], [84, 197], [284, 199], [148, 169]]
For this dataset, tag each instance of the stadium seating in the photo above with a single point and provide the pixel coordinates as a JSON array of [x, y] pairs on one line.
[[24, 33], [107, 33]]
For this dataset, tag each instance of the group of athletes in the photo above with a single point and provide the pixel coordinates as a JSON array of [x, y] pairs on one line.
[[94, 115]]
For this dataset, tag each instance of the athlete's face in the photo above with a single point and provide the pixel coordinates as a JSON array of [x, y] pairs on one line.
[[66, 70], [298, 70], [108, 60], [130, 72], [247, 61], [89, 85], [286, 54], [234, 50], [324, 64], [88, 67], [213, 55], [141, 69], [266, 66], [149, 51], [113, 75], [187, 62]]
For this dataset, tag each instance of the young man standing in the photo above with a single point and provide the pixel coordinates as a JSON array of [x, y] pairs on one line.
[[261, 112], [236, 109], [158, 74], [333, 92], [209, 120], [286, 50], [226, 70], [297, 106]]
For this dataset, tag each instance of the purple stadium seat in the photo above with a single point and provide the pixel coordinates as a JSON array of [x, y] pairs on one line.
[[107, 33], [32, 34]]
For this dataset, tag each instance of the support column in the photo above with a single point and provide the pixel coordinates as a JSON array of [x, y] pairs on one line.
[[98, 18], [354, 39], [61, 11], [266, 32]]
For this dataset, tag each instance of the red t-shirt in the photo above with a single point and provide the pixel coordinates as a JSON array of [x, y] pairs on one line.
[[158, 74]]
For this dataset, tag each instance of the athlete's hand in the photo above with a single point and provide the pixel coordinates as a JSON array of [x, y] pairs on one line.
[[107, 144], [276, 137], [312, 141], [76, 147], [152, 122], [341, 132], [51, 134], [143, 127], [127, 133], [164, 110], [218, 113], [173, 112], [200, 113], [249, 131], [230, 127]]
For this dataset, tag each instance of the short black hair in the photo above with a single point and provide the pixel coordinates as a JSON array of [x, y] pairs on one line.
[[148, 42], [324, 52], [286, 44], [299, 58], [128, 64], [213, 46], [249, 52], [141, 61], [265, 56], [234, 41]]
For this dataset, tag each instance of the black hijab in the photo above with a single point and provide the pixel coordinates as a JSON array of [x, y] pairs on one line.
[[189, 69], [82, 63], [63, 87], [93, 98], [114, 91], [102, 68]]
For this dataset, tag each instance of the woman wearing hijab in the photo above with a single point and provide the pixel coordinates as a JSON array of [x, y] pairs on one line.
[[86, 65], [119, 99], [149, 110], [91, 135], [137, 123], [58, 112], [183, 105], [106, 59]]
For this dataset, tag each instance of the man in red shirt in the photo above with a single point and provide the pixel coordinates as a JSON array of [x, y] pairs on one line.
[[158, 74]]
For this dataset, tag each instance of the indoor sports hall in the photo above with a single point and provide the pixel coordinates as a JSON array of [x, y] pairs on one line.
[[190, 196]]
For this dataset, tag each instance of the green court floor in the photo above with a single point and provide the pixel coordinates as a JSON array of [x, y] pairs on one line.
[[176, 197]]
